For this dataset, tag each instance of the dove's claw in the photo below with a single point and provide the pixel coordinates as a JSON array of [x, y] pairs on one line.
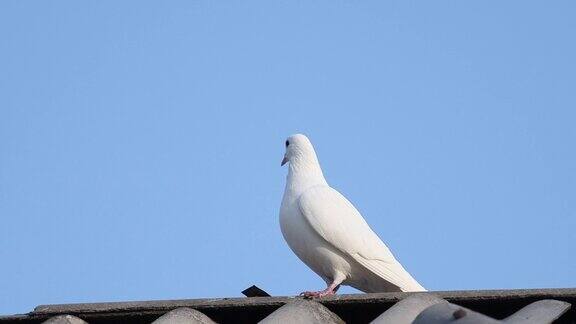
[[329, 291], [317, 294]]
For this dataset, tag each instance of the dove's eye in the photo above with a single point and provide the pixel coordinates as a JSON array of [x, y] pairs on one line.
[[287, 143]]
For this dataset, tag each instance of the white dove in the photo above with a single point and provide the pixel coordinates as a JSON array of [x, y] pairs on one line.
[[329, 235]]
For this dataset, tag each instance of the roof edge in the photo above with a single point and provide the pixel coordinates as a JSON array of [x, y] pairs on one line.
[[207, 303]]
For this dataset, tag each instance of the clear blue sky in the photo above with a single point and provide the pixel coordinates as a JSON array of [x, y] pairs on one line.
[[140, 142]]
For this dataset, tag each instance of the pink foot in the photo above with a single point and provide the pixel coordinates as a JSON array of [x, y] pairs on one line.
[[317, 294]]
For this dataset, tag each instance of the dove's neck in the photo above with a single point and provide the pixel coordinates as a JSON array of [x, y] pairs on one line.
[[304, 172]]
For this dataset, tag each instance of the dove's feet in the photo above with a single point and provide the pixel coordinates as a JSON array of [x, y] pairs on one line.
[[317, 294]]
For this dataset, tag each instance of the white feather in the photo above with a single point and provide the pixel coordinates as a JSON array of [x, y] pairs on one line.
[[328, 233]]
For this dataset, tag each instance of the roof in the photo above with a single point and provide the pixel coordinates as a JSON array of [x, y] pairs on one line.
[[517, 306]]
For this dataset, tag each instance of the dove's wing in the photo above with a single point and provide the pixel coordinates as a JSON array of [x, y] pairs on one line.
[[338, 222]]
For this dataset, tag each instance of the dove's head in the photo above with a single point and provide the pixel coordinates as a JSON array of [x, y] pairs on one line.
[[298, 147], [304, 170]]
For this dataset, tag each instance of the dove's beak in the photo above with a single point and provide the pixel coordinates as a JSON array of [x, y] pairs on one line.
[[284, 160]]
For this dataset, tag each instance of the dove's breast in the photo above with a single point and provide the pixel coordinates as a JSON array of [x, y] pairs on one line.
[[315, 252]]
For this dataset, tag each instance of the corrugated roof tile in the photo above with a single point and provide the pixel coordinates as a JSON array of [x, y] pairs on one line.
[[541, 312], [446, 313], [65, 319], [304, 312], [184, 315], [406, 310]]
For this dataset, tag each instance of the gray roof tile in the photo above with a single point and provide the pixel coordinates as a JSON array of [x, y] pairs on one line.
[[64, 319], [543, 312], [184, 315], [540, 312], [445, 313], [304, 312], [406, 310]]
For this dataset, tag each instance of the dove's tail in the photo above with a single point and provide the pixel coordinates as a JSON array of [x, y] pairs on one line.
[[408, 283], [393, 273], [413, 286]]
